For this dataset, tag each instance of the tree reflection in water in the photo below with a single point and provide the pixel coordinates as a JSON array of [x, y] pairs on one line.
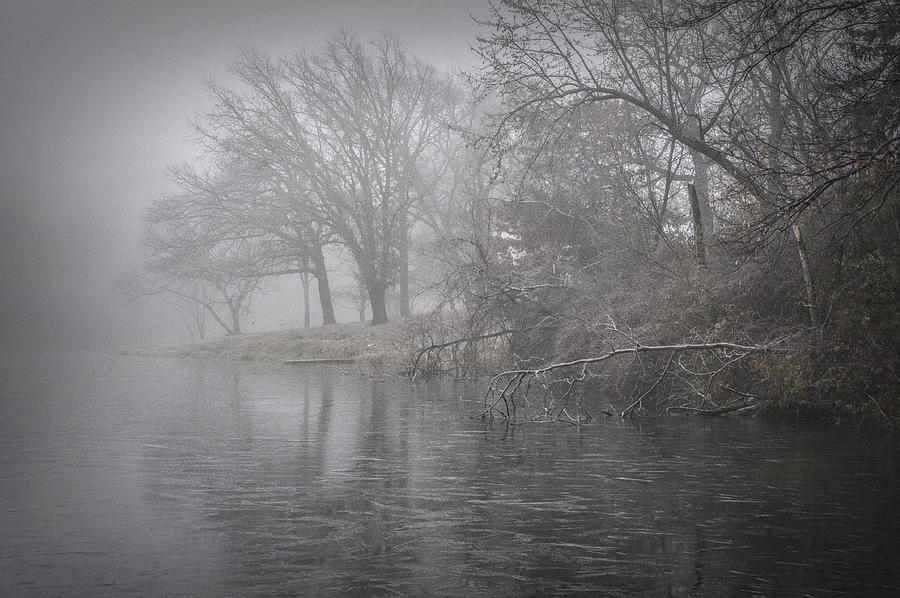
[[257, 478]]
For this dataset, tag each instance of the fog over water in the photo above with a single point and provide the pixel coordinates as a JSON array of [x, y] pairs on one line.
[[151, 476], [95, 102]]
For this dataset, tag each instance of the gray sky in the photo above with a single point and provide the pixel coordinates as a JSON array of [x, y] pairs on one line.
[[95, 99]]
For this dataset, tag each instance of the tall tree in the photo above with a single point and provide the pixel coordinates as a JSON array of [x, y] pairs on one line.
[[773, 94], [370, 116], [257, 138], [562, 54], [344, 134]]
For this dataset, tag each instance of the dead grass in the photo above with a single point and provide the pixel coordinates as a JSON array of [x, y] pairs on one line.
[[387, 347]]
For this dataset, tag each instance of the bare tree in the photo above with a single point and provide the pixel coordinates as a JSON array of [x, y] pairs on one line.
[[259, 142], [370, 117], [221, 277], [189, 297], [775, 114], [770, 93], [343, 134], [564, 54]]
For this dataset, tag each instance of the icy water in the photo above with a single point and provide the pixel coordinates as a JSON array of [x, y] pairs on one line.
[[134, 476]]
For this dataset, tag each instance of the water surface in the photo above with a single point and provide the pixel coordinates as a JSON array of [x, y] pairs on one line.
[[139, 476]]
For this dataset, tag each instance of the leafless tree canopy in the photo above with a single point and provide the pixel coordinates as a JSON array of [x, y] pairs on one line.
[[681, 204]]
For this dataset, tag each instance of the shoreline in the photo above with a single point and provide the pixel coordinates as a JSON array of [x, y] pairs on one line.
[[387, 345], [387, 349]]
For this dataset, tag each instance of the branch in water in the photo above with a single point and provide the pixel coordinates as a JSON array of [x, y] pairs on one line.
[[505, 386]]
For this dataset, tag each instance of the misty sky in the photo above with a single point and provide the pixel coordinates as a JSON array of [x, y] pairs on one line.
[[95, 100]]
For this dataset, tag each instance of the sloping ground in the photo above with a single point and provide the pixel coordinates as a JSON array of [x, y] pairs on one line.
[[387, 345]]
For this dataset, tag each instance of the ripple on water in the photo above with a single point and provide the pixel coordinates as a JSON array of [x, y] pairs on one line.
[[175, 477]]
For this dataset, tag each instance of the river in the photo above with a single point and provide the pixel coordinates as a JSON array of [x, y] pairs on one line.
[[151, 476]]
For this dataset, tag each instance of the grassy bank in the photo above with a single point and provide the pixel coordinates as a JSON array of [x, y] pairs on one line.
[[386, 345], [800, 382]]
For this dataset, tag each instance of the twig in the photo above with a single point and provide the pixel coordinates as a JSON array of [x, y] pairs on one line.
[[712, 412], [414, 367], [743, 394], [652, 387], [505, 386]]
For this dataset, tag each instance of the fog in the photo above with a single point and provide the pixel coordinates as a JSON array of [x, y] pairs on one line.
[[629, 209], [95, 102]]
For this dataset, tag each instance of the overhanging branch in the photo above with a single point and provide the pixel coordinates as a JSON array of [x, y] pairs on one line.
[[507, 387]]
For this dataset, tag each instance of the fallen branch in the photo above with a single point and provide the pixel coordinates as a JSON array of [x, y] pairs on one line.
[[713, 412], [506, 386], [414, 370], [743, 394], [649, 390], [646, 349]]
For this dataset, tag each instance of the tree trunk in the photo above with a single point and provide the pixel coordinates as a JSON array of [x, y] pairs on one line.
[[403, 250], [198, 313], [701, 182], [807, 275], [235, 311], [304, 280], [321, 274], [361, 299], [377, 293], [701, 168], [697, 215], [775, 109]]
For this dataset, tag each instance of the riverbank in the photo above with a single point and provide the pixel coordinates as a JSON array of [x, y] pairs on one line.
[[387, 346], [388, 349]]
